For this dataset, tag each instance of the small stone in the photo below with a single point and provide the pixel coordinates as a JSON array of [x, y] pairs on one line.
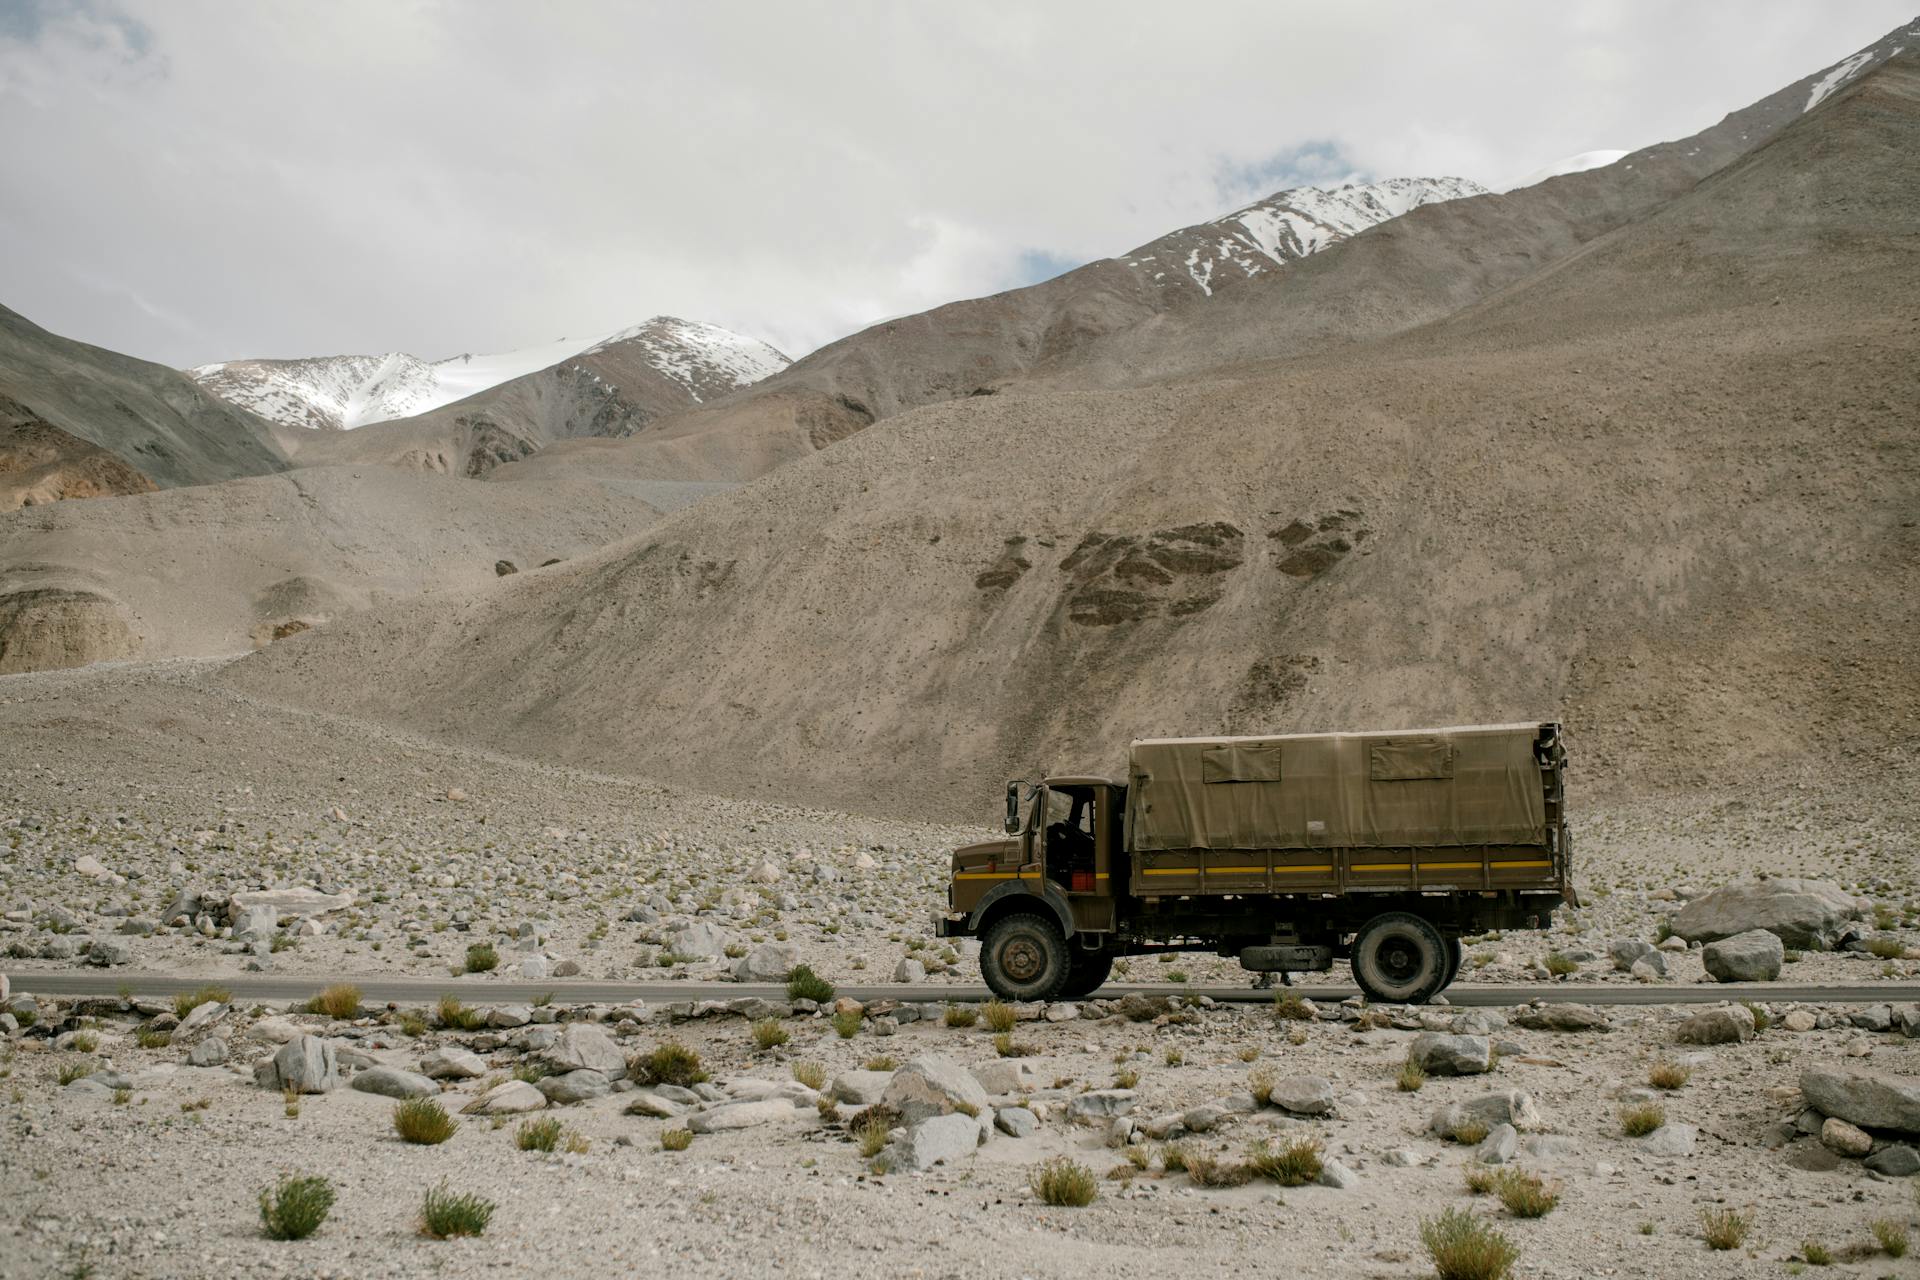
[[453, 1063], [1015, 1122], [768, 962], [649, 1103], [104, 952], [574, 1086], [1730, 1025], [1498, 1146], [1674, 1140], [742, 1115], [1335, 1174], [306, 1064], [933, 1086], [1843, 1139], [861, 1088], [1302, 1095], [1562, 1017], [1753, 956], [1448, 1055], [1896, 1161], [1002, 1076], [1101, 1104], [937, 1140], [909, 970], [210, 1052], [583, 1046], [1800, 1020], [510, 1098]]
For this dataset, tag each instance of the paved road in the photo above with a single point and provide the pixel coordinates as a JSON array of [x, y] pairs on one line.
[[381, 989]]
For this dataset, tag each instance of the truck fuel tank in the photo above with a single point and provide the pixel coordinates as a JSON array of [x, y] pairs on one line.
[[1286, 959]]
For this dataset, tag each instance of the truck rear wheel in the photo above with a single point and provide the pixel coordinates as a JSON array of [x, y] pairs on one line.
[[1398, 958], [1455, 954], [1024, 957], [1086, 970]]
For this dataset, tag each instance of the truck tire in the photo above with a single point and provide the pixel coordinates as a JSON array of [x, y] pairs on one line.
[[1455, 954], [1086, 970], [1024, 957], [1398, 958]]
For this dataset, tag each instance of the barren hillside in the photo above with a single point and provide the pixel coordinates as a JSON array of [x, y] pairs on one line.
[[1665, 489]]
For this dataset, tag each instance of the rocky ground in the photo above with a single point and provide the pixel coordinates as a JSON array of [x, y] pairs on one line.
[[156, 821]]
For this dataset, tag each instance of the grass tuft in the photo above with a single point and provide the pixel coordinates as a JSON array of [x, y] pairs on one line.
[[846, 1023], [1526, 1195], [880, 1062], [1062, 1182], [1260, 1082], [676, 1139], [1480, 1178], [1412, 1075], [482, 958], [999, 1015], [1294, 1163], [341, 1001], [1642, 1119], [424, 1122], [1816, 1254], [1668, 1074], [960, 1015], [1724, 1228], [870, 1131], [1290, 1006], [1891, 1235], [769, 1034], [669, 1063], [1559, 966], [153, 1039], [445, 1214], [1465, 1247], [1470, 1132], [811, 1074], [804, 984], [452, 1013], [538, 1135], [1212, 1171], [295, 1207]]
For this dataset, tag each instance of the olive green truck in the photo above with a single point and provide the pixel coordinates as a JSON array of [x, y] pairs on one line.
[[1287, 852]]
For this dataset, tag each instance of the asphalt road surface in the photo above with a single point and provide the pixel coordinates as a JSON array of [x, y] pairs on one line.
[[383, 990]]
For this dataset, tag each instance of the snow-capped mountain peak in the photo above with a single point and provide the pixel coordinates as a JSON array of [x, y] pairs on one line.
[[1286, 226], [343, 392]]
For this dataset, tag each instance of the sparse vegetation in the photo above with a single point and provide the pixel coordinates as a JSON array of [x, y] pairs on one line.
[[1480, 1178], [294, 1208], [74, 1069], [811, 1074], [153, 1039], [423, 1121], [769, 1034], [669, 1063], [1470, 1132], [676, 1139], [1668, 1074], [1062, 1182], [482, 958], [1526, 1195], [445, 1214], [538, 1135], [1173, 1158], [999, 1016], [846, 1023], [1260, 1082], [870, 1131], [342, 1001], [1213, 1171], [456, 1015], [804, 984], [1290, 1006], [1724, 1228], [1560, 966], [1761, 1018], [1880, 949], [960, 1015], [1294, 1162], [1891, 1235], [1641, 1119], [1463, 1246], [1124, 1078], [187, 1003], [1411, 1076], [880, 1062]]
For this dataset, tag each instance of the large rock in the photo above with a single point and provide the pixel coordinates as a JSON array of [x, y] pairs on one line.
[[1301, 1095], [1440, 1054], [293, 900], [1101, 1104], [1627, 950], [1507, 1106], [1730, 1025], [1562, 1017], [511, 1098], [453, 1063], [204, 1014], [860, 1088], [583, 1046], [938, 1140], [933, 1086], [1673, 1141], [392, 1082], [306, 1064], [741, 1115], [210, 1052], [768, 962], [574, 1086], [1869, 1099], [1753, 956], [255, 924], [1808, 914], [700, 941], [109, 951], [1002, 1076]]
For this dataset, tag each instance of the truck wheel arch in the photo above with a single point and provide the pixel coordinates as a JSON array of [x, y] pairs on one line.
[[1014, 895]]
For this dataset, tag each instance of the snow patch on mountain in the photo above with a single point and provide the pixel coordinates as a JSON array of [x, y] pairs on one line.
[[1572, 164], [1289, 225], [343, 392]]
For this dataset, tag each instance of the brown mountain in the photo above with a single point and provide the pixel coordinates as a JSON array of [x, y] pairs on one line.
[[1634, 447]]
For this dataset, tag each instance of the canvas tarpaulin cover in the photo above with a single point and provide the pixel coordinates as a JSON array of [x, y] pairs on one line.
[[1463, 786]]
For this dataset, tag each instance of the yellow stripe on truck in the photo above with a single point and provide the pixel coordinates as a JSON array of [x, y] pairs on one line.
[[996, 875]]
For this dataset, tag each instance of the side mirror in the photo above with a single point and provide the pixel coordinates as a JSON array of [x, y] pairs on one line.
[[1013, 809]]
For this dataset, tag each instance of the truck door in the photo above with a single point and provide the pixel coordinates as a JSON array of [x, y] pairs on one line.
[[1078, 841]]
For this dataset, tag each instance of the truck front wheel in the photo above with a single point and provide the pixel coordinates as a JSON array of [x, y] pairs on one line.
[[1024, 957], [1398, 958]]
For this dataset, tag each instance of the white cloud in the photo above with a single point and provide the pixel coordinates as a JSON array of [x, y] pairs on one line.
[[376, 174]]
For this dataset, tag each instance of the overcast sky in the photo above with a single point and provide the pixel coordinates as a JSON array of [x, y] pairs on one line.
[[193, 181]]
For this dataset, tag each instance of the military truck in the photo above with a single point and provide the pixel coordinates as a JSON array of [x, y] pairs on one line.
[[1286, 851]]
